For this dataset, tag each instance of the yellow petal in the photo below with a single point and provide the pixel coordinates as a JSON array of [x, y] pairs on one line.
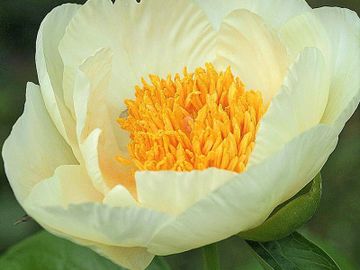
[[299, 105], [275, 12], [253, 51], [343, 29], [247, 200], [34, 148], [50, 70]]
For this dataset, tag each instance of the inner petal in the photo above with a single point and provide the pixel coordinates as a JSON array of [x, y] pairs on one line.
[[192, 121]]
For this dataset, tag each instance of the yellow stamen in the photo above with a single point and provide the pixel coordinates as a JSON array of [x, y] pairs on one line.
[[200, 120]]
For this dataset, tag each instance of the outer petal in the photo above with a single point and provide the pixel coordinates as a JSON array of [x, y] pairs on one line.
[[253, 51], [96, 222], [50, 69], [34, 148], [179, 190], [298, 107], [247, 200], [343, 28], [275, 12], [132, 258]]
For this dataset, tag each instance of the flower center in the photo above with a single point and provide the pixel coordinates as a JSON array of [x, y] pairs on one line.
[[192, 122]]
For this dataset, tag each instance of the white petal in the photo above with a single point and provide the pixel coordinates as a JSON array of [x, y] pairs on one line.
[[343, 28], [34, 148], [68, 203], [96, 129], [163, 36], [253, 51], [70, 184], [119, 196], [179, 190], [275, 12], [299, 105], [113, 226], [92, 28], [50, 69], [302, 31], [151, 37], [247, 201], [132, 258]]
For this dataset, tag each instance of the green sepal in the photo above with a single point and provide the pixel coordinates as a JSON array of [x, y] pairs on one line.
[[292, 252], [289, 216]]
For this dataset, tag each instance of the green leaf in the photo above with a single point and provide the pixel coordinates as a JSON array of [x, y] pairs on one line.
[[47, 252], [294, 252], [289, 216], [44, 251]]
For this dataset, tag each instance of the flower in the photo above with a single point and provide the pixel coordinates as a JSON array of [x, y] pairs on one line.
[[257, 95]]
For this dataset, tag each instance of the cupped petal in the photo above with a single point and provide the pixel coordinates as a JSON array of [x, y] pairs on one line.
[[93, 27], [275, 12], [95, 127], [302, 31], [343, 29], [34, 148], [299, 105], [158, 37], [50, 70], [247, 200], [70, 184], [253, 51], [164, 36], [179, 190]]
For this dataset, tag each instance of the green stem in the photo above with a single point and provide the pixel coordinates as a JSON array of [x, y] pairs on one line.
[[211, 257]]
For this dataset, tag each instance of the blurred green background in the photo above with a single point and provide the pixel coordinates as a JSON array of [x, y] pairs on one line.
[[335, 226]]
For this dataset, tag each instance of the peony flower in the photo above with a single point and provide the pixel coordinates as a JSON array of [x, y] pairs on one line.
[[164, 126]]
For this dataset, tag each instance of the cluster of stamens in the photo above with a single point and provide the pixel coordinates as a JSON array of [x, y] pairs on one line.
[[192, 122]]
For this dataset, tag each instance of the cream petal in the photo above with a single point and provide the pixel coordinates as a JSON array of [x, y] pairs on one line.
[[299, 105], [98, 143], [179, 190], [34, 148], [136, 258], [70, 184], [131, 258], [151, 37], [113, 226], [92, 28], [343, 28], [164, 36], [303, 31], [275, 12], [89, 149], [253, 51], [119, 196], [247, 200], [50, 70]]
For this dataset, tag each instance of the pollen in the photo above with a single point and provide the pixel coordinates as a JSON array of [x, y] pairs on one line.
[[192, 121]]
